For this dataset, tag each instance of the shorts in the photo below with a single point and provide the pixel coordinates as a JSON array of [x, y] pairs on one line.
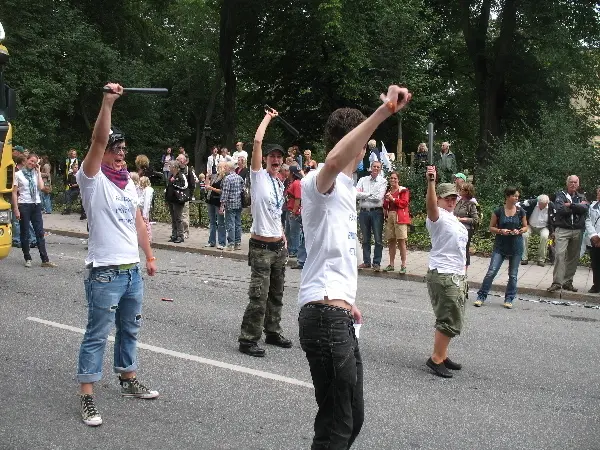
[[394, 230], [447, 293]]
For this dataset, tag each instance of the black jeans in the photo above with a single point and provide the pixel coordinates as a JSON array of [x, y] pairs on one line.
[[32, 213], [595, 257], [176, 211], [331, 348]]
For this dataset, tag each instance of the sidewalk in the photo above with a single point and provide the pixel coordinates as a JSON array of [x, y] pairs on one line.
[[533, 280]]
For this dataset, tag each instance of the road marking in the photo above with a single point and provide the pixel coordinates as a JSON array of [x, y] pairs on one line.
[[210, 362]]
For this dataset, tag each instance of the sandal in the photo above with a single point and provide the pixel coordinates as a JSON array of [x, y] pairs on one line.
[[389, 269]]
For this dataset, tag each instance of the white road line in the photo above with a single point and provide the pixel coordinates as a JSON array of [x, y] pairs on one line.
[[210, 362]]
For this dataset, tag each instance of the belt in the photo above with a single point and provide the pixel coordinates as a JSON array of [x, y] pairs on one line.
[[327, 308], [114, 267], [377, 208], [273, 246]]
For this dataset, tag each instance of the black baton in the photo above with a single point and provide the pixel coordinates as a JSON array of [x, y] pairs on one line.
[[155, 91]]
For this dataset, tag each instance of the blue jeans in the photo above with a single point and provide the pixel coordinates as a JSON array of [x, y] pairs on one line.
[[302, 249], [16, 233], [217, 222], [31, 215], [46, 202], [371, 224], [233, 219], [513, 270], [331, 348], [114, 296], [294, 226]]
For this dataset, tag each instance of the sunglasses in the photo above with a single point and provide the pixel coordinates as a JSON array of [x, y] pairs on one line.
[[118, 149]]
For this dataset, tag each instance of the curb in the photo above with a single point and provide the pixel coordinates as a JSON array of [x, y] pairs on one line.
[[560, 295]]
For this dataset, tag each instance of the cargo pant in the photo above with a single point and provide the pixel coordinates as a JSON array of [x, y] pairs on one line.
[[267, 279]]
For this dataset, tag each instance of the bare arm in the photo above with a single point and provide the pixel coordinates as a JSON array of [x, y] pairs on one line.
[[15, 202], [144, 242], [349, 147], [433, 213], [93, 159], [256, 163]]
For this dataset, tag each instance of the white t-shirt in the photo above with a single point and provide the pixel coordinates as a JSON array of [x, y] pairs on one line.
[[329, 222], [448, 243], [267, 200], [22, 184], [111, 218]]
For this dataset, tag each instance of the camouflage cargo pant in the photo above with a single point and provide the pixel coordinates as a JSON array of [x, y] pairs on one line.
[[267, 278]]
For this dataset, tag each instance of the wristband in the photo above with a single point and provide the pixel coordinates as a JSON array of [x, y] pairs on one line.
[[151, 259]]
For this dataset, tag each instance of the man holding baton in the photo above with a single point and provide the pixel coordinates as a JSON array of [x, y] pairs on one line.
[[113, 280], [329, 279]]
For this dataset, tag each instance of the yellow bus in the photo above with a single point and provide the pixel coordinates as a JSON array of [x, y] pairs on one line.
[[7, 166]]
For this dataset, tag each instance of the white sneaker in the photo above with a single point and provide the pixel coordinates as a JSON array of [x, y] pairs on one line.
[[28, 263], [89, 413]]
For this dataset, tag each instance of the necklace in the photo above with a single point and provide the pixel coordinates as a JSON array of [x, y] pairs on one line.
[[278, 201]]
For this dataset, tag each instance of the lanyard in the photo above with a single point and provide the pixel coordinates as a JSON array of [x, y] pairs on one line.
[[278, 203]]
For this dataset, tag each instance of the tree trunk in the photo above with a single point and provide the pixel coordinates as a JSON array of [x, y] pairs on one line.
[[200, 148], [226, 47]]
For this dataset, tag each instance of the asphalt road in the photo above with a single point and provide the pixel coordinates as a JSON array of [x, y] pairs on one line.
[[530, 377]]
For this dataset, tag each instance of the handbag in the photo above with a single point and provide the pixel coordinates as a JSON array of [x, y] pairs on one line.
[[182, 195]]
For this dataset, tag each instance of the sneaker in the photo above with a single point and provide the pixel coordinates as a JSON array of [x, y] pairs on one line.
[[364, 266], [508, 305], [478, 303], [376, 267], [452, 365], [220, 247], [594, 290], [208, 245], [278, 340], [389, 268], [569, 287], [237, 247], [252, 349], [89, 413], [230, 248], [439, 369], [28, 263], [541, 263], [524, 262], [48, 264], [402, 269], [131, 387], [298, 266], [554, 287], [178, 241]]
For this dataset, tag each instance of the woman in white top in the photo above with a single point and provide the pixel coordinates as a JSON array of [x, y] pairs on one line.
[[27, 207], [446, 279], [591, 239], [146, 194], [268, 253]]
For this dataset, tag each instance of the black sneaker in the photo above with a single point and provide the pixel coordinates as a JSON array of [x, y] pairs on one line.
[[524, 262], [569, 287], [89, 413], [252, 349], [131, 387], [452, 365], [178, 241], [594, 290], [439, 369], [555, 287], [278, 340]]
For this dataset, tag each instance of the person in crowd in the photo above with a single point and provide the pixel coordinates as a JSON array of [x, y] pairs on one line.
[[225, 156], [539, 213], [446, 277], [192, 180], [328, 283], [239, 153], [309, 162], [142, 166], [396, 206], [421, 157], [466, 211], [570, 211], [592, 241], [284, 177], [46, 194], [267, 255], [202, 185], [508, 223], [146, 195], [231, 206], [294, 153], [177, 189], [378, 154], [27, 208], [182, 151], [370, 193], [73, 191], [135, 178], [242, 169], [19, 161], [294, 219], [213, 202], [165, 159], [459, 179], [71, 159], [213, 162], [445, 163]]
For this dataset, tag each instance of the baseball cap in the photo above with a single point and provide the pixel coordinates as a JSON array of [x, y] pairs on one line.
[[445, 190], [274, 148], [18, 148], [295, 170], [461, 176], [115, 135]]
